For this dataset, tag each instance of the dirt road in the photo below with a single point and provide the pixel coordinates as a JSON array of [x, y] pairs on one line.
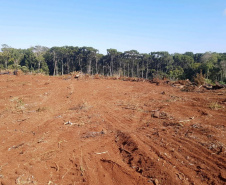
[[56, 130]]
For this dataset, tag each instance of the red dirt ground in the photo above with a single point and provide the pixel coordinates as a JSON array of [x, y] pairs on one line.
[[56, 130]]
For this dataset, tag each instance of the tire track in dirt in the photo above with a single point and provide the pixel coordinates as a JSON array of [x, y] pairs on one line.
[[203, 163], [141, 160], [151, 168]]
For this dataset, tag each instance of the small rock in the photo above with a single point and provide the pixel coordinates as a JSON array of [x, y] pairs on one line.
[[156, 114], [68, 123], [156, 182]]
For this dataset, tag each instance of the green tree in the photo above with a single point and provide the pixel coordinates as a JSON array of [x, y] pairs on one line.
[[29, 59], [39, 52], [17, 55], [208, 62], [6, 54], [132, 56], [223, 70], [112, 53]]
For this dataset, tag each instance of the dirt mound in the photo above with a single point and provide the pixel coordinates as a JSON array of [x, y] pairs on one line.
[[66, 130]]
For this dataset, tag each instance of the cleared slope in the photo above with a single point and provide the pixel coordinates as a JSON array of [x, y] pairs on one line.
[[56, 130]]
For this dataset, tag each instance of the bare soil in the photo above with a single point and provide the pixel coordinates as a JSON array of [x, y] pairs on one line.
[[59, 130]]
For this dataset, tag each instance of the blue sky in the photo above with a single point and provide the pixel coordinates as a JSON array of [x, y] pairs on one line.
[[143, 25]]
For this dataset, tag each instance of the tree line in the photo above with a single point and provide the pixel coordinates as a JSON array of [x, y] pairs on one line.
[[66, 59]]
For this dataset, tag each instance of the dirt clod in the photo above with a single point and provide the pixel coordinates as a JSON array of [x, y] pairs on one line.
[[156, 114]]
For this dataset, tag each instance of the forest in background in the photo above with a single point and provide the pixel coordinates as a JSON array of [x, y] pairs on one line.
[[67, 59]]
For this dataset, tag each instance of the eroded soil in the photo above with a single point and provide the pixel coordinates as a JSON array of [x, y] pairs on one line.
[[56, 130]]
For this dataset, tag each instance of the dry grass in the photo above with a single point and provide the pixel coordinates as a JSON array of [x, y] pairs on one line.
[[81, 106], [199, 79], [42, 109], [215, 106]]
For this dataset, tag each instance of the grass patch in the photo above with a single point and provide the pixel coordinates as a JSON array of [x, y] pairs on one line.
[[215, 106]]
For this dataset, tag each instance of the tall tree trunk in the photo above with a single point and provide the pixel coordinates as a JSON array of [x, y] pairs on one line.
[[62, 67], [57, 67], [54, 60], [89, 66], [39, 64], [132, 67], [73, 63], [96, 66], [111, 67], [110, 73], [147, 71], [128, 70], [138, 74], [80, 65], [120, 68], [207, 74], [142, 69], [124, 70], [68, 66], [6, 64]]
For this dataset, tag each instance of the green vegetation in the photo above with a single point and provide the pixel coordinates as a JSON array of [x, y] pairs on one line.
[[66, 59]]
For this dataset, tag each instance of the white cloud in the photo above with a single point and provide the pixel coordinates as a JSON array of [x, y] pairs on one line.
[[225, 11]]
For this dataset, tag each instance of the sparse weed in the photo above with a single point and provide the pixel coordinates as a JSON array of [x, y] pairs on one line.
[[25, 83], [174, 99], [215, 106], [81, 106], [16, 104], [20, 102], [82, 170], [41, 109]]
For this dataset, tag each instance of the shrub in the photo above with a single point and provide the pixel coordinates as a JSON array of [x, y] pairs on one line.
[[24, 69], [14, 66], [199, 79]]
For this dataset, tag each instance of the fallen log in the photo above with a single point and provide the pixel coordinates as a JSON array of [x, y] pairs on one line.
[[214, 87], [5, 73]]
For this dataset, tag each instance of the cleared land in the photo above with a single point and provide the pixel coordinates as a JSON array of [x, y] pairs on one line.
[[56, 130]]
